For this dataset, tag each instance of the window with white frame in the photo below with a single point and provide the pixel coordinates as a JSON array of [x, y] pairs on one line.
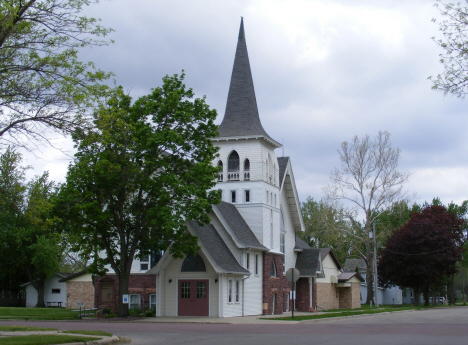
[[152, 302], [229, 290], [55, 290], [135, 302], [271, 229], [144, 263], [273, 269], [256, 264], [233, 196], [247, 261], [237, 290]]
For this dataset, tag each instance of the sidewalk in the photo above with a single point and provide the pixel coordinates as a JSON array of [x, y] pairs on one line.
[[256, 319]]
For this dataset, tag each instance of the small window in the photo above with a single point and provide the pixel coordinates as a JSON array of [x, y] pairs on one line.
[[273, 269], [143, 267], [144, 263], [230, 291], [247, 196], [135, 302], [153, 302], [201, 289], [185, 290], [55, 290], [220, 172], [233, 196], [256, 264], [237, 290], [247, 261]]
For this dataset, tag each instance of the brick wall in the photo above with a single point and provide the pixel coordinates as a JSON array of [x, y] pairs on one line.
[[345, 298], [80, 292], [356, 295], [327, 296], [278, 286], [142, 284], [303, 295]]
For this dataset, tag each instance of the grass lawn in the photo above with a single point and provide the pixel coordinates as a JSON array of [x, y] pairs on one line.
[[24, 329], [45, 339], [365, 309], [37, 313]]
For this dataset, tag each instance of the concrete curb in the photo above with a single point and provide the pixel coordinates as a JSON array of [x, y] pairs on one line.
[[103, 341]]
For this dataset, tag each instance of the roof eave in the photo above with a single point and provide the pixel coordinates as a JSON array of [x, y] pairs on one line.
[[267, 139]]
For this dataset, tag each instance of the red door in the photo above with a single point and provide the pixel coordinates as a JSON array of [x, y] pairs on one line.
[[193, 297]]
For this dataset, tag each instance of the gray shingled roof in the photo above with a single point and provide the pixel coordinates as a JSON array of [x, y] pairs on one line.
[[345, 276], [236, 222], [282, 164], [241, 117], [217, 249], [351, 264], [300, 244], [307, 262]]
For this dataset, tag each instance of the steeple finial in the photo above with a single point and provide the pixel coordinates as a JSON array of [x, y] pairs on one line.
[[241, 117]]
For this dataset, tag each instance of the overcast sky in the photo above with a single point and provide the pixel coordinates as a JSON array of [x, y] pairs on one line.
[[324, 71]]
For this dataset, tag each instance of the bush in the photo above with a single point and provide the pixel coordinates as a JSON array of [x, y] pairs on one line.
[[106, 311], [149, 313], [134, 312], [108, 316]]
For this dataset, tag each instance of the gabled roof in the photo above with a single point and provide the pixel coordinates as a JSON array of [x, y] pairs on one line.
[[307, 262], [345, 276], [351, 264], [72, 275], [241, 117], [282, 164], [59, 274], [237, 226], [217, 249], [300, 244], [325, 251], [288, 187]]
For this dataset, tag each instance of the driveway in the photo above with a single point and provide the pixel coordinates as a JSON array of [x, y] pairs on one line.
[[428, 327]]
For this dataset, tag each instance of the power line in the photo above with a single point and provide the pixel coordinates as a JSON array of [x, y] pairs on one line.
[[391, 251]]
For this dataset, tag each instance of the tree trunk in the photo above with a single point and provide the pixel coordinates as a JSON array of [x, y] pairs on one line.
[[416, 297], [39, 286], [451, 289], [426, 295], [369, 274], [123, 289]]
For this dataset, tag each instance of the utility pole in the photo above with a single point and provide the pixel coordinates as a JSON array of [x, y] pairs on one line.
[[375, 272]]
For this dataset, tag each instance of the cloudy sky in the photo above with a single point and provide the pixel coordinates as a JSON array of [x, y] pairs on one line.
[[324, 71]]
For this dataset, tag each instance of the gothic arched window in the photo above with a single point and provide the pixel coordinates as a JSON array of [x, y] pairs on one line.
[[233, 166], [220, 172], [273, 269], [193, 264], [246, 169]]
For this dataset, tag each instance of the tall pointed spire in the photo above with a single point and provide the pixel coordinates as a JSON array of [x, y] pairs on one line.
[[241, 117]]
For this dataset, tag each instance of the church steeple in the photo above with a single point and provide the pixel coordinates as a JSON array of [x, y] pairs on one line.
[[241, 117]]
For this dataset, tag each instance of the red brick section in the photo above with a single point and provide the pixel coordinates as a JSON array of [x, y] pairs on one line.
[[142, 284], [278, 286], [303, 295]]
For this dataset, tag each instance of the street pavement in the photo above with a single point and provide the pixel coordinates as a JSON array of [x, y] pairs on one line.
[[427, 327]]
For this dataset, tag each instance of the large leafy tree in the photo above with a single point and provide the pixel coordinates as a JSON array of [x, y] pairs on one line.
[[368, 182], [43, 84], [30, 245], [137, 178], [424, 250]]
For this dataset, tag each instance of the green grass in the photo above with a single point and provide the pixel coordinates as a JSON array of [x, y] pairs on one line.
[[37, 313], [24, 329], [45, 339], [346, 312], [90, 333]]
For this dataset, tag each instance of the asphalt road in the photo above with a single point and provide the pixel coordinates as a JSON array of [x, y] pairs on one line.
[[429, 327]]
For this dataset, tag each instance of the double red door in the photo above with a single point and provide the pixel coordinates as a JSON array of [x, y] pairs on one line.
[[193, 297]]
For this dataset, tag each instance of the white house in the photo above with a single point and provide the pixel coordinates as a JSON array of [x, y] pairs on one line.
[[55, 292]]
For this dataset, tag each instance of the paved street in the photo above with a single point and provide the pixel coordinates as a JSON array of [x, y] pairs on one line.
[[437, 326]]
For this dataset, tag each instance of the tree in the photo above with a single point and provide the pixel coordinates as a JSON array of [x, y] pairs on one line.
[[43, 85], [27, 225], [139, 176], [325, 227], [369, 180], [454, 44], [423, 251]]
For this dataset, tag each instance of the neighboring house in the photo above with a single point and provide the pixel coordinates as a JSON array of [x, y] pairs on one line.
[[323, 284], [55, 293], [392, 295], [79, 289]]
